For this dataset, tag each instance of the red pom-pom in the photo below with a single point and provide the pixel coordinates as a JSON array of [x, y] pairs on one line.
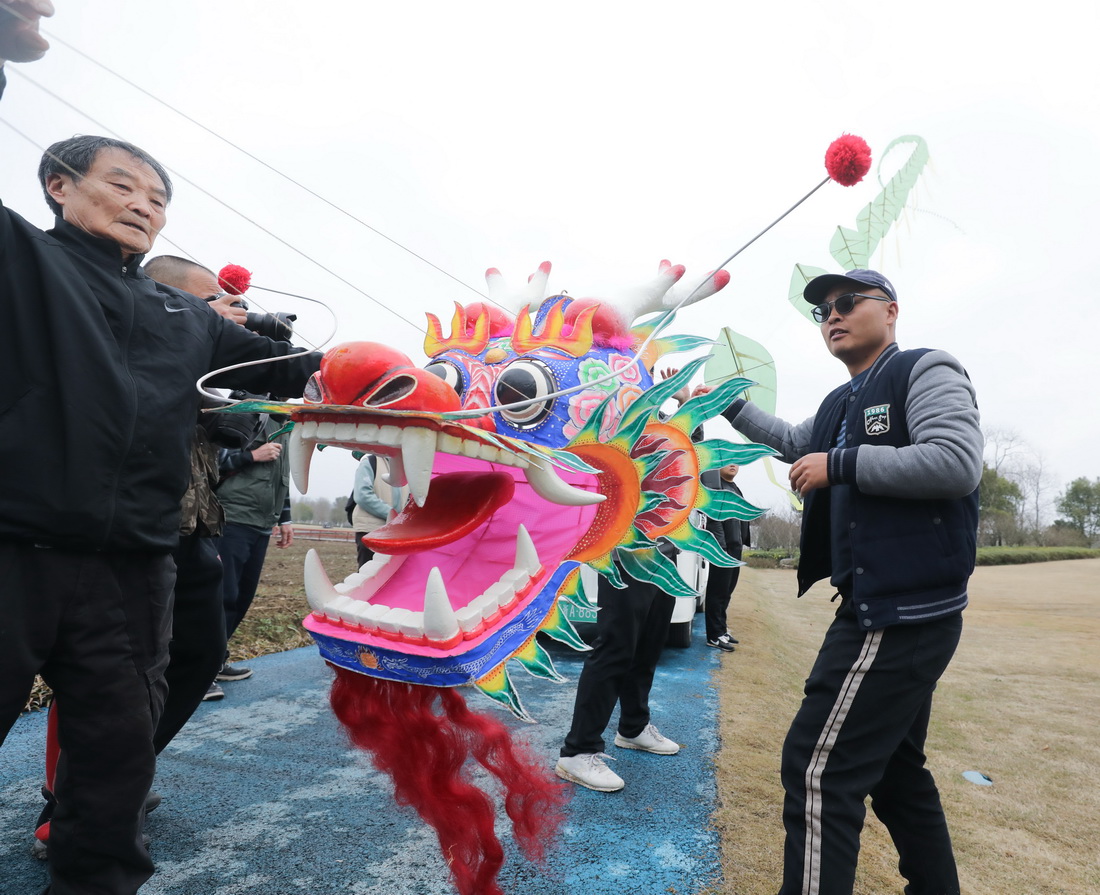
[[235, 279], [847, 159]]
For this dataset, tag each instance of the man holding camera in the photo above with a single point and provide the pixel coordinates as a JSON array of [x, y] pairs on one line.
[[254, 479], [96, 424]]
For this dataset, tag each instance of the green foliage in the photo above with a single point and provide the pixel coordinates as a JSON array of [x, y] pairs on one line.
[[770, 559], [987, 556], [319, 510], [999, 501], [1080, 505], [998, 494], [1009, 556]]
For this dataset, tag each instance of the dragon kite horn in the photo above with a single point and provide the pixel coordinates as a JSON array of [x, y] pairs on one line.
[[530, 294]]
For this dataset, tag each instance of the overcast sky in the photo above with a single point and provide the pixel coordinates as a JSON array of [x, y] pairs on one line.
[[604, 137]]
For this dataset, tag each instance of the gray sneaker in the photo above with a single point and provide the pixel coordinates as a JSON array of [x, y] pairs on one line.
[[588, 769], [649, 740]]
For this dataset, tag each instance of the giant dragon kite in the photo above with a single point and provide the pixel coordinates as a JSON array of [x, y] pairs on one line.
[[531, 444]]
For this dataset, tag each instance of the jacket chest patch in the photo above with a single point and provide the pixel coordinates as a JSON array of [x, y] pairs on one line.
[[876, 420]]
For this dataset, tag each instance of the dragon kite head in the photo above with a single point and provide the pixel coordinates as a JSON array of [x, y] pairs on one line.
[[530, 444], [506, 501]]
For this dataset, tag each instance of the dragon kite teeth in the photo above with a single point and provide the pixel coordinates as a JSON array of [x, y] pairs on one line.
[[349, 603], [414, 465]]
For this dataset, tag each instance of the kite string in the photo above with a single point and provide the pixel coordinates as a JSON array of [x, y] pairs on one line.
[[661, 325]]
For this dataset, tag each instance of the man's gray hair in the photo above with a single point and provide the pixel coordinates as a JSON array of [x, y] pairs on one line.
[[77, 154]]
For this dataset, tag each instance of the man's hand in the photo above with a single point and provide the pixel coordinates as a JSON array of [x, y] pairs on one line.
[[265, 453], [810, 472], [19, 37], [224, 305], [667, 373], [701, 390], [284, 535]]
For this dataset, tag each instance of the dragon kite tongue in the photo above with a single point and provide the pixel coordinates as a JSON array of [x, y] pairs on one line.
[[458, 503]]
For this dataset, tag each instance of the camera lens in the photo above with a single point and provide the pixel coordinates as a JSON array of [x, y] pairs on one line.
[[278, 326]]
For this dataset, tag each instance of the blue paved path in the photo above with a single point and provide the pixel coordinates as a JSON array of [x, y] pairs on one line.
[[263, 795]]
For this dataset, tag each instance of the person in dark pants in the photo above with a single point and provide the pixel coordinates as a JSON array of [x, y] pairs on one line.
[[888, 469], [372, 499], [95, 431], [255, 494], [197, 650], [733, 535], [631, 629]]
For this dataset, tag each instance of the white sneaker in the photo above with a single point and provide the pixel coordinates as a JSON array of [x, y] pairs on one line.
[[588, 769], [649, 740]]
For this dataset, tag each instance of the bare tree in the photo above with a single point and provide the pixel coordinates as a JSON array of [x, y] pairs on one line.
[[1036, 482], [1011, 457], [1004, 448]]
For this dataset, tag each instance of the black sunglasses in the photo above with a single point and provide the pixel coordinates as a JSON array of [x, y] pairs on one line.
[[843, 304]]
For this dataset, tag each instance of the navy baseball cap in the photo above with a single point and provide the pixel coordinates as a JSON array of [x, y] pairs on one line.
[[819, 287]]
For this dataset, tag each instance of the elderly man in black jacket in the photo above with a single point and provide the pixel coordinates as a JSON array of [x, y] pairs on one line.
[[96, 420]]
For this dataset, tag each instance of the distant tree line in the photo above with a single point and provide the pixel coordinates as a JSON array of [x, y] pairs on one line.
[[320, 511], [1020, 504]]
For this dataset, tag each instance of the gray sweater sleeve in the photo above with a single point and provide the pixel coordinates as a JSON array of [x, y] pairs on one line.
[[757, 425], [945, 458]]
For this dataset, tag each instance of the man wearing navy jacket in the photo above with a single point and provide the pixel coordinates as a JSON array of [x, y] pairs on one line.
[[96, 419], [888, 469]]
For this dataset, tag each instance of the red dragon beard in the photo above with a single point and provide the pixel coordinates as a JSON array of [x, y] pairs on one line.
[[422, 737]]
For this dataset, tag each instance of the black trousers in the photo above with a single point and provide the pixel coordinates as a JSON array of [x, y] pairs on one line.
[[720, 586], [631, 628], [860, 731], [363, 553], [198, 634], [96, 627], [242, 549]]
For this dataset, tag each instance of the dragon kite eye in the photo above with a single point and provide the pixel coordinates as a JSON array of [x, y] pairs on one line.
[[450, 374], [525, 380], [312, 393]]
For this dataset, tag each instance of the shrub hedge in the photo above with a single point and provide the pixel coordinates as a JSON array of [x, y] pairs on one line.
[[987, 556], [1008, 556]]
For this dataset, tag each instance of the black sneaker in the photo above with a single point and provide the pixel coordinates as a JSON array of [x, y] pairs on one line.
[[722, 643], [213, 692], [233, 673], [152, 801], [730, 637]]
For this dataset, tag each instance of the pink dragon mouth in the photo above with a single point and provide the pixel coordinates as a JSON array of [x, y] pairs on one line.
[[482, 533]]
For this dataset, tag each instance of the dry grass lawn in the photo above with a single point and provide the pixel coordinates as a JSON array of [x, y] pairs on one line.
[[1020, 703]]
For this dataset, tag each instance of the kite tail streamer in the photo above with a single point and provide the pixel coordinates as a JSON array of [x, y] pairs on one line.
[[421, 737]]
